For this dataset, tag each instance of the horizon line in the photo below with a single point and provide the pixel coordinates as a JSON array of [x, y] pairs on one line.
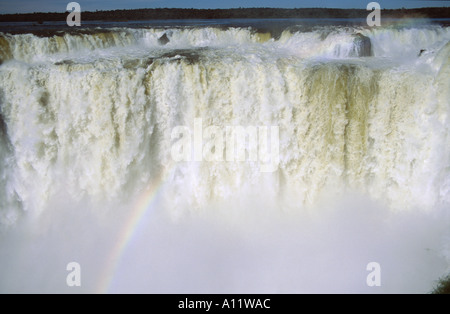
[[240, 8]]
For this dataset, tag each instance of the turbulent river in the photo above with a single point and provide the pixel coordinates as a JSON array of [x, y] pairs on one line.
[[354, 122]]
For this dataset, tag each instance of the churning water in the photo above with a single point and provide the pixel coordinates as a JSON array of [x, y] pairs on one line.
[[88, 174]]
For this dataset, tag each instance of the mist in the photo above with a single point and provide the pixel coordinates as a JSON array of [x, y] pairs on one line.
[[230, 248]]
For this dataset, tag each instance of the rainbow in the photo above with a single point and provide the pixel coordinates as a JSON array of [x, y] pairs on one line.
[[138, 212]]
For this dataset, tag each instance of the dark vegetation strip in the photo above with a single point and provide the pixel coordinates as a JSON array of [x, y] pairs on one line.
[[443, 286], [242, 13]]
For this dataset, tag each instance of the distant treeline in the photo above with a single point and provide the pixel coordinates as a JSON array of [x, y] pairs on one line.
[[241, 13]]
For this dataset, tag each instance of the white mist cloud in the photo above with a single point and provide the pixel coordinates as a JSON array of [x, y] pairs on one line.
[[232, 248]]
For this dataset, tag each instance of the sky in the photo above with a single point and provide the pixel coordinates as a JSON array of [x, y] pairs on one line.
[[27, 6]]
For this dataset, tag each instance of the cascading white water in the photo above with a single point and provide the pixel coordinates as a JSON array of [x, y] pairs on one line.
[[89, 115]]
